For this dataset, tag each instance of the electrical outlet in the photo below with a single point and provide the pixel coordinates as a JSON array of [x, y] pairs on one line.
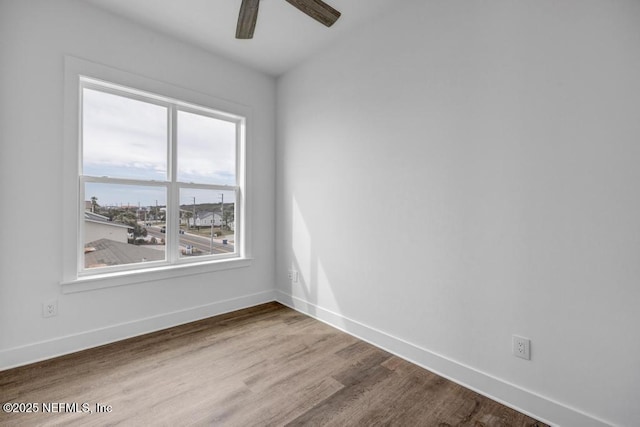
[[293, 276], [521, 347], [50, 308]]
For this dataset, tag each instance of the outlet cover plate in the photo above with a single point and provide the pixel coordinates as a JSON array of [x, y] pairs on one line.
[[293, 276], [522, 347], [50, 308]]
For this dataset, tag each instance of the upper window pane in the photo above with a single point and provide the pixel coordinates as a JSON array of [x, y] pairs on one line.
[[206, 149], [123, 137]]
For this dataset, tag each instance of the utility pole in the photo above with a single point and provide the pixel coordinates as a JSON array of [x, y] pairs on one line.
[[194, 213], [213, 217], [222, 213]]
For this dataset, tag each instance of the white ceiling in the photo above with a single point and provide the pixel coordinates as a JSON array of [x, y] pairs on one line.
[[283, 38]]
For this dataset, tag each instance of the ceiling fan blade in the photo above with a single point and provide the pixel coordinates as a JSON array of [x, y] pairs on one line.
[[247, 19], [318, 10]]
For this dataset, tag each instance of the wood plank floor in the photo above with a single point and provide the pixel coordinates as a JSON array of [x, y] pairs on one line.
[[263, 366]]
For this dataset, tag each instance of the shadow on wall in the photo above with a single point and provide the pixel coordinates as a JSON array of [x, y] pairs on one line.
[[313, 287]]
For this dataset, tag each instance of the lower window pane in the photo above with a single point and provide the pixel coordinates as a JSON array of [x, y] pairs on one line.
[[207, 222], [123, 224]]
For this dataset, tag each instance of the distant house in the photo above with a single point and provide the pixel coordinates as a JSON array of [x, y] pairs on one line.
[[184, 215], [98, 227], [206, 219]]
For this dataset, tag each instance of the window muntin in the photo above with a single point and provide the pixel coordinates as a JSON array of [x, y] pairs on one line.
[[141, 157]]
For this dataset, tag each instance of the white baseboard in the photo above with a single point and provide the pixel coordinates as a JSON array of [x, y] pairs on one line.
[[527, 402], [48, 349]]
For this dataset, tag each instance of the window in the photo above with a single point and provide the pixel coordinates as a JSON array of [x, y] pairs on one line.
[[160, 181]]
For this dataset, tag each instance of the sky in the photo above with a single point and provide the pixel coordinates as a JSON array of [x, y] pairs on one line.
[[127, 138]]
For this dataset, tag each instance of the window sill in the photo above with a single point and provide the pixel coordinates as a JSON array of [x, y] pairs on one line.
[[122, 278]]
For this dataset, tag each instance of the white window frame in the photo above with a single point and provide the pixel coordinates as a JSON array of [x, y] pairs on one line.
[[80, 74]]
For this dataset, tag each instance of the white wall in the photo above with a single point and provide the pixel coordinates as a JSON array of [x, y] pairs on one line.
[[35, 36], [467, 170]]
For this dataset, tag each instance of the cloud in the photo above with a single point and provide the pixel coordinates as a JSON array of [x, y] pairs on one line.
[[127, 138]]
